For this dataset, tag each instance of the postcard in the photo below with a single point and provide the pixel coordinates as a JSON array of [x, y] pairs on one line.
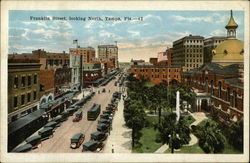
[[125, 81]]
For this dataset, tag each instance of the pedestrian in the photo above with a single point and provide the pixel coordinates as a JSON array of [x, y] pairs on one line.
[[113, 151]]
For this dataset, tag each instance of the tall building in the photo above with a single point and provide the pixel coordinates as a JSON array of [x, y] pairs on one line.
[[76, 71], [109, 52], [188, 52], [23, 88], [209, 45], [230, 51], [88, 53]]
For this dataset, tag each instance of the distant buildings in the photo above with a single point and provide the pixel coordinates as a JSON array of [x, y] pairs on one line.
[[209, 45], [188, 52], [109, 52], [88, 53], [23, 88]]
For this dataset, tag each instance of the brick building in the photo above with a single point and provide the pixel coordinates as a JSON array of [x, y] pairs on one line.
[[62, 80], [218, 88], [91, 74], [188, 52], [157, 74], [88, 53], [153, 61], [23, 88], [109, 52]]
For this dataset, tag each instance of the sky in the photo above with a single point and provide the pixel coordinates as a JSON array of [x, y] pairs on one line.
[[141, 38]]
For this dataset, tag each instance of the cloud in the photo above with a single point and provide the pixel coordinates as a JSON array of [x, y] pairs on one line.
[[56, 24], [218, 32], [134, 33], [149, 16], [192, 19], [104, 33]]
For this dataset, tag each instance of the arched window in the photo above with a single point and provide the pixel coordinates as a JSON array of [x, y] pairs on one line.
[[212, 87], [219, 90], [235, 104], [228, 95]]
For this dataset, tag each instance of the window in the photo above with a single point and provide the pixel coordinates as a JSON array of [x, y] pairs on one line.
[[212, 87], [16, 82], [29, 80], [235, 104], [15, 102], [23, 81], [228, 95], [22, 99], [35, 79], [219, 90], [28, 97], [34, 95]]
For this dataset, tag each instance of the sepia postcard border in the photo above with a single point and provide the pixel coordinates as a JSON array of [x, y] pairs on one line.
[[119, 5]]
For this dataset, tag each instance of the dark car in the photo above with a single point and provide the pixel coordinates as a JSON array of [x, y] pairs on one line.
[[23, 148], [99, 136], [46, 132], [93, 146], [106, 116], [77, 116], [102, 127], [77, 140], [65, 115], [107, 112], [51, 124], [71, 110], [58, 119], [34, 141], [105, 121]]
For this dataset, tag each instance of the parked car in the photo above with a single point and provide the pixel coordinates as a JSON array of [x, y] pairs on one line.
[[77, 140], [23, 148], [102, 127], [51, 124], [106, 116], [93, 146], [71, 110], [105, 121], [77, 116], [34, 141], [58, 119], [65, 115], [46, 132], [99, 136]]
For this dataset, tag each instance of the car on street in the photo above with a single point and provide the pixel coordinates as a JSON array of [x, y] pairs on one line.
[[65, 115], [23, 148], [94, 112], [93, 146], [71, 110], [102, 127], [51, 124], [77, 140], [35, 141], [105, 121], [77, 116], [99, 136], [46, 132]]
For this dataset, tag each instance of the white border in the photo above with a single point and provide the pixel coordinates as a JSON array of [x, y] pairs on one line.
[[118, 5]]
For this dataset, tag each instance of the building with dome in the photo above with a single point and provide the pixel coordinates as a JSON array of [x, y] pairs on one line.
[[219, 86], [230, 51]]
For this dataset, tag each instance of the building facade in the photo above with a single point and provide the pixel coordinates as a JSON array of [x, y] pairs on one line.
[[188, 52], [76, 71], [157, 74], [62, 80], [88, 53], [209, 45], [23, 88], [91, 73], [109, 52]]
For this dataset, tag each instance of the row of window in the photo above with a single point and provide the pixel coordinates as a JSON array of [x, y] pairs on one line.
[[159, 76], [56, 62], [193, 60], [24, 98], [194, 55], [194, 41], [193, 65], [193, 46], [194, 50], [23, 81]]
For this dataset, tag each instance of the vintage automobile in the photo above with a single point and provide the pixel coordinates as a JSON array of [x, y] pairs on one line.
[[77, 140], [107, 112], [35, 141], [77, 116], [94, 112], [58, 119], [65, 115], [23, 148], [46, 132], [71, 110], [98, 136], [93, 146], [105, 121], [106, 116], [51, 124], [102, 127]]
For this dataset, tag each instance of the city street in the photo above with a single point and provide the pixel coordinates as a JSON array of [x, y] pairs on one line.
[[60, 142]]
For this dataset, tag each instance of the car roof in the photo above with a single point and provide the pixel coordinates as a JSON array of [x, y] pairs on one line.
[[23, 147], [32, 138], [45, 129], [78, 135]]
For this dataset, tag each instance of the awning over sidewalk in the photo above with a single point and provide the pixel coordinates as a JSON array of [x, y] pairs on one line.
[[20, 123]]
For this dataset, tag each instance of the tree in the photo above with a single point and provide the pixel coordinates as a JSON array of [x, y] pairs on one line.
[[174, 133], [211, 139], [236, 135], [134, 116]]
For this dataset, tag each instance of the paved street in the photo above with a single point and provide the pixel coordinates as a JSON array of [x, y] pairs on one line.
[[60, 142]]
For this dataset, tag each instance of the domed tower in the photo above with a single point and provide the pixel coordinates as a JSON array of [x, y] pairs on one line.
[[231, 50], [231, 27]]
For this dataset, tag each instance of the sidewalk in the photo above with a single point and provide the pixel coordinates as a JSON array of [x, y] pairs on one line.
[[119, 140]]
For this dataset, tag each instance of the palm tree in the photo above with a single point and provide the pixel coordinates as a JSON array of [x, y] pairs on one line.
[[174, 133]]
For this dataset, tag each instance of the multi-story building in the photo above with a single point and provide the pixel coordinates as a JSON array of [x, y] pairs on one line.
[[76, 71], [162, 56], [91, 74], [88, 53], [23, 88], [188, 52], [107, 66], [170, 53], [109, 52], [62, 80], [157, 74], [209, 45]]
